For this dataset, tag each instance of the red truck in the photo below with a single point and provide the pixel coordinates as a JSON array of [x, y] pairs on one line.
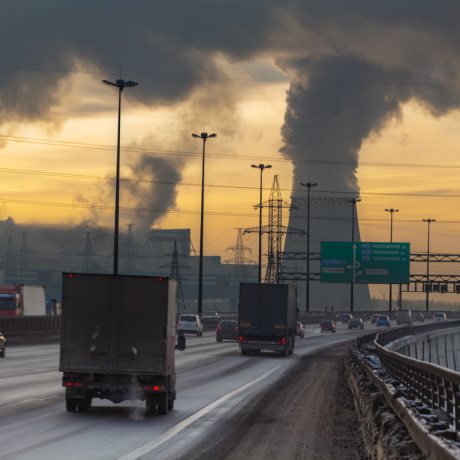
[[20, 299]]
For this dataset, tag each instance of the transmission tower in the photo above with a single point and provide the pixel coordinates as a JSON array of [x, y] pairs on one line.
[[130, 253], [88, 253], [175, 273], [9, 267], [275, 231], [239, 260], [24, 259]]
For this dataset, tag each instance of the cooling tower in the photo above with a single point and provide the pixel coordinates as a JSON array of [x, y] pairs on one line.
[[330, 220]]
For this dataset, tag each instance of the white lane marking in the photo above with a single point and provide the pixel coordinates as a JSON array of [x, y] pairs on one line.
[[135, 454]]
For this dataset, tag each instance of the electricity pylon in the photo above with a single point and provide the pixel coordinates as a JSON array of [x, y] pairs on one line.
[[175, 273], [130, 253], [275, 230], [9, 266], [24, 259], [239, 260], [88, 253]]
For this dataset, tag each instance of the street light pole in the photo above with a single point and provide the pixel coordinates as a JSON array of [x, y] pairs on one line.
[[120, 84], [353, 201], [391, 211], [428, 285], [261, 167], [203, 136], [309, 185]]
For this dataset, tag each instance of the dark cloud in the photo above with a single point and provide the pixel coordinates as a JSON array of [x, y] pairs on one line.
[[353, 64]]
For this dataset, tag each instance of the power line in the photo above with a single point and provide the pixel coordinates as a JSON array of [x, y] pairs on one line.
[[191, 184], [287, 79], [175, 211], [91, 146]]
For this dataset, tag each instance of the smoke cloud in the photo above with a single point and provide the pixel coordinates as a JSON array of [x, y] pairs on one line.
[[353, 65]]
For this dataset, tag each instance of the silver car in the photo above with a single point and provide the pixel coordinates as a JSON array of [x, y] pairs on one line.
[[439, 317], [189, 324]]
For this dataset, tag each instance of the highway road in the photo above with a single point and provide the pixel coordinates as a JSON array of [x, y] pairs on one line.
[[214, 380]]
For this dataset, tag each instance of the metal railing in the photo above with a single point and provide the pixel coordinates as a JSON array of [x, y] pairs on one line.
[[436, 386], [411, 386]]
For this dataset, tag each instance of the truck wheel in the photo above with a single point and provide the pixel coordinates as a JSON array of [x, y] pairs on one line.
[[2, 353], [150, 404], [244, 351], [83, 404], [170, 404], [162, 403], [71, 404]]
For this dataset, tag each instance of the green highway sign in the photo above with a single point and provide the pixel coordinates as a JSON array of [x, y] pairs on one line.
[[365, 263]]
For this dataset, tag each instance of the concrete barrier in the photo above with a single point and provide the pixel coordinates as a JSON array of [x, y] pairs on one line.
[[30, 325]]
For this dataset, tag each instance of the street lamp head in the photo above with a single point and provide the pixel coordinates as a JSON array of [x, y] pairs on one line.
[[429, 220], [309, 184], [354, 200], [261, 166], [204, 136], [392, 210], [121, 84]]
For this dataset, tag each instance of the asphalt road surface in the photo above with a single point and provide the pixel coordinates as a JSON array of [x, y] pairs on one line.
[[228, 406]]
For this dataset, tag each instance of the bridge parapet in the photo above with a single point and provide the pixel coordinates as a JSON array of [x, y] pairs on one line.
[[424, 396]]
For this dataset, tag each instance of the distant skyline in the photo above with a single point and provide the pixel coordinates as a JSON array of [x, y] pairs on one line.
[[364, 101]]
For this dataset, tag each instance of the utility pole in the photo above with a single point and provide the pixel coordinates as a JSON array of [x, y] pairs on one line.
[[353, 201], [391, 211]]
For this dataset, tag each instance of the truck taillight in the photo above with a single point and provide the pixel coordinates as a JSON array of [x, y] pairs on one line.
[[282, 341], [154, 388], [241, 340], [74, 384]]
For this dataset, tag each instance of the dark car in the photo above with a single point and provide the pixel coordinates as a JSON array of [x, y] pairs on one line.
[[327, 325], [2, 345], [345, 318], [356, 322], [300, 330], [228, 330], [418, 317]]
